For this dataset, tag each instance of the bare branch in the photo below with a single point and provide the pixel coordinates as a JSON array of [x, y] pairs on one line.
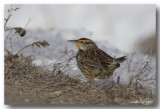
[[38, 44]]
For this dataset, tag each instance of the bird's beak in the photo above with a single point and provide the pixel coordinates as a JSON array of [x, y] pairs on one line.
[[74, 41]]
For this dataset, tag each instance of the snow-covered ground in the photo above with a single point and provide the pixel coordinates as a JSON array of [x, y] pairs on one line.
[[47, 57]]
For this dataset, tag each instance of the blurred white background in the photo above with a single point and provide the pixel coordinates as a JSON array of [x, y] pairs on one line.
[[121, 25]]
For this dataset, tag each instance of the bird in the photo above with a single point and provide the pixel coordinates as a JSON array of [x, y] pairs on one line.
[[93, 62]]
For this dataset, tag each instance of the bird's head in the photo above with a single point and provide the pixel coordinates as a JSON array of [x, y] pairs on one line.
[[84, 43]]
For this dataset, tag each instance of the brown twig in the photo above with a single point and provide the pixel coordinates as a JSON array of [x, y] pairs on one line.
[[38, 44], [9, 16], [10, 11], [61, 57], [23, 48]]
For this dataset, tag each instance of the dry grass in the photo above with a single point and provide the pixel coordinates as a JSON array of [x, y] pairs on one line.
[[44, 87]]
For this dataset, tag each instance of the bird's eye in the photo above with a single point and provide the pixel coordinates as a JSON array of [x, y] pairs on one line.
[[81, 41]]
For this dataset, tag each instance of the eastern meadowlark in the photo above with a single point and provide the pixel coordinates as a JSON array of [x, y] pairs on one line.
[[94, 62]]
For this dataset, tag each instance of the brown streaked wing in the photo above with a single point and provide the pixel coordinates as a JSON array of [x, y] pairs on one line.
[[97, 58], [107, 59]]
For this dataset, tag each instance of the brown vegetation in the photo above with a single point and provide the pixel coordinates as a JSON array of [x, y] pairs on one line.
[[44, 87], [147, 45]]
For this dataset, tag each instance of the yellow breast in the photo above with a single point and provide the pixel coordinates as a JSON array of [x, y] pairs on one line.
[[78, 45]]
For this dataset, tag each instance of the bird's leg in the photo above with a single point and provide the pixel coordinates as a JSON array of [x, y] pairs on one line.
[[91, 82]]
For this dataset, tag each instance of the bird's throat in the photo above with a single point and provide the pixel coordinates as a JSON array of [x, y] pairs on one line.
[[78, 46]]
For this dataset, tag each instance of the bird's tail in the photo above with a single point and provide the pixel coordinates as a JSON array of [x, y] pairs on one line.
[[121, 59]]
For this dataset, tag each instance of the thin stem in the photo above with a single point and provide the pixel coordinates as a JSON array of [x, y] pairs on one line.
[[23, 48], [9, 16]]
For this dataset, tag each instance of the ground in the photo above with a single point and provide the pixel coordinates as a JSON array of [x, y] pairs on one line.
[[28, 85]]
